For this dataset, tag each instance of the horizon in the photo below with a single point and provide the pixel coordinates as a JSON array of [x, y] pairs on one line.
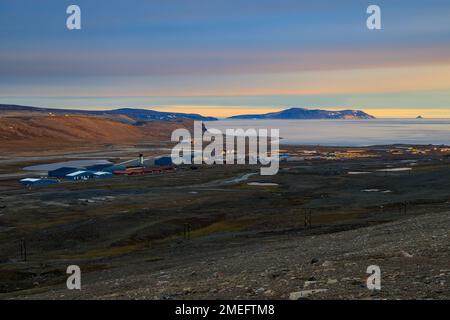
[[219, 61], [409, 114]]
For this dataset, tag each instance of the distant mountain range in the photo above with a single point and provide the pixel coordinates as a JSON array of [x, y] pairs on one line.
[[146, 115], [302, 113], [138, 116], [124, 114]]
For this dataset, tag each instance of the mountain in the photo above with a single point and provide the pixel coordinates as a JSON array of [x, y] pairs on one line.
[[302, 113], [127, 115], [56, 132], [146, 115], [24, 128]]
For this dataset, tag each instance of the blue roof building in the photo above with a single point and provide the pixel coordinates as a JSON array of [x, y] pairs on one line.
[[163, 161], [98, 167], [80, 175], [29, 182], [113, 168], [102, 174], [61, 172]]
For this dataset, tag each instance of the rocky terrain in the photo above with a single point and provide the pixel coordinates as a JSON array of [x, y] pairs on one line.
[[248, 236], [413, 254]]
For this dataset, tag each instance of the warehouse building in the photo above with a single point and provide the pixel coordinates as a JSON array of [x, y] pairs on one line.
[[98, 167], [102, 174], [163, 161], [61, 172], [80, 175], [111, 169], [105, 168], [29, 182]]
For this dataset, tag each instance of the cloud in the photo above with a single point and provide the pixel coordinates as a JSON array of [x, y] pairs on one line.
[[211, 62]]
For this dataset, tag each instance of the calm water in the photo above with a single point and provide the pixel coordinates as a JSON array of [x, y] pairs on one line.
[[350, 132]]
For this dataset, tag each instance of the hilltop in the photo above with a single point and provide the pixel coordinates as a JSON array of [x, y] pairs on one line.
[[25, 128], [129, 115], [19, 133], [302, 113]]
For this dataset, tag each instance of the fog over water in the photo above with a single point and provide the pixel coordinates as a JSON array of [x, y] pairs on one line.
[[350, 132]]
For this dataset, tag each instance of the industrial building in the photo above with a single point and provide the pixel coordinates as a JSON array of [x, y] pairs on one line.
[[142, 171], [284, 156], [80, 175], [102, 174], [61, 172], [98, 167], [100, 171], [105, 168], [29, 182], [163, 161]]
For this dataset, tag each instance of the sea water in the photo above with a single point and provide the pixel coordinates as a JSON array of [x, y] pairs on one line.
[[350, 132]]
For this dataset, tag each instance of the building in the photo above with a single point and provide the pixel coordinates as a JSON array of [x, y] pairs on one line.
[[102, 174], [61, 172], [29, 182], [284, 156], [80, 175], [111, 169], [144, 171], [163, 161], [98, 167], [108, 168]]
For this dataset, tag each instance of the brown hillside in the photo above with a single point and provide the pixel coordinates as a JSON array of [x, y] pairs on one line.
[[37, 132]]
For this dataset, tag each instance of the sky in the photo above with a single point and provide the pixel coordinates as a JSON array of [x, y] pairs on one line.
[[228, 57]]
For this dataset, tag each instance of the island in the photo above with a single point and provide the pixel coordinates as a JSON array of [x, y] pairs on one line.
[[304, 114]]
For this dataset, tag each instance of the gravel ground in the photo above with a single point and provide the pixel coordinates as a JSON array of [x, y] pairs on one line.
[[413, 254]]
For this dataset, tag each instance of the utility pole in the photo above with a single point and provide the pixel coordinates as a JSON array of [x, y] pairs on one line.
[[23, 249], [187, 231], [307, 218], [402, 207]]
